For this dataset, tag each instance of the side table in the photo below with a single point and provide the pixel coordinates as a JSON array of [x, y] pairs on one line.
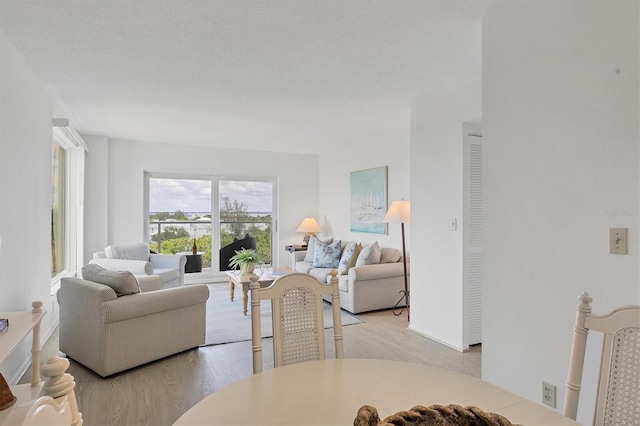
[[194, 263], [293, 249]]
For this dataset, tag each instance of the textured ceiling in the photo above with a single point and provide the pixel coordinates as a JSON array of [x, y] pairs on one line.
[[286, 75]]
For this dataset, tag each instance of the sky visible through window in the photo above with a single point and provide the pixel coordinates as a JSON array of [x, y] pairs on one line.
[[194, 195]]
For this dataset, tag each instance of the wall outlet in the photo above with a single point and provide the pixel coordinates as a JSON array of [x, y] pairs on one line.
[[549, 394]]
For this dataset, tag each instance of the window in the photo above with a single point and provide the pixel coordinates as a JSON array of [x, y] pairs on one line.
[[67, 186], [210, 210], [58, 210], [246, 207]]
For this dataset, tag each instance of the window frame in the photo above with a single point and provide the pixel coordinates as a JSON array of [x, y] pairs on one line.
[[215, 209], [74, 200]]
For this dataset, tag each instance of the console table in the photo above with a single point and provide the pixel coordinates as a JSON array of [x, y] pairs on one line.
[[59, 404], [20, 325]]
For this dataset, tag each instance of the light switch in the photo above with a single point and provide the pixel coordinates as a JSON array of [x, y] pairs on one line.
[[618, 240], [454, 224]]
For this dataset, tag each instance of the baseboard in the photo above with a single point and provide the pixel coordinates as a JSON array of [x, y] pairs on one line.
[[435, 340]]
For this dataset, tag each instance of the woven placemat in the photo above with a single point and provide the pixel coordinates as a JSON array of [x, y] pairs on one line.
[[434, 415]]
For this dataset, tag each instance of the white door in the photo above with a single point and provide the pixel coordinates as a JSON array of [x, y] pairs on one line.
[[473, 232]]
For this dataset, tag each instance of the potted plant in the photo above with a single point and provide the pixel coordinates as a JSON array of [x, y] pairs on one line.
[[246, 260]]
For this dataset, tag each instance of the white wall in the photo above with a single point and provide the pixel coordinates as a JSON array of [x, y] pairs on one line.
[[118, 166], [96, 195], [560, 113], [391, 149], [25, 197], [436, 192]]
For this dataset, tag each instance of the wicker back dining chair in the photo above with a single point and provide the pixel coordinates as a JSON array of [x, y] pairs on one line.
[[297, 318], [618, 393]]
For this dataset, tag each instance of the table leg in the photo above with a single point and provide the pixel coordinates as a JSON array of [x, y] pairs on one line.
[[245, 298], [35, 347], [231, 286]]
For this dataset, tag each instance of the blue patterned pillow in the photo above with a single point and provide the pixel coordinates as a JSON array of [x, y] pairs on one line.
[[327, 255], [349, 257], [311, 246]]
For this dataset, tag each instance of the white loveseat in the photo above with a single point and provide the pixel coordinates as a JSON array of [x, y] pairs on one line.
[[363, 288], [137, 259]]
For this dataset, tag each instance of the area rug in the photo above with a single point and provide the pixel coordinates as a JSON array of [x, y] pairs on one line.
[[227, 324]]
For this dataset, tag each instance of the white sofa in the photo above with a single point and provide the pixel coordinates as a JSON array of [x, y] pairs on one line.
[[363, 288], [109, 333], [138, 260]]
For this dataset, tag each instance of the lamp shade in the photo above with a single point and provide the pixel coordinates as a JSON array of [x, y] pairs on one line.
[[309, 224], [399, 212]]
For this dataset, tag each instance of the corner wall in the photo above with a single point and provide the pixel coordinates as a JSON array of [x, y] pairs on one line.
[[25, 198], [436, 192], [561, 133]]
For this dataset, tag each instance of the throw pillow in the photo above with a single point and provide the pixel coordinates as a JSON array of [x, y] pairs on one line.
[[135, 252], [327, 255], [349, 257], [122, 282], [390, 255], [311, 245], [370, 255]]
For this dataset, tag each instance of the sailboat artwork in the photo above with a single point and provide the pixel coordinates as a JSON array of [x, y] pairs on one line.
[[369, 200]]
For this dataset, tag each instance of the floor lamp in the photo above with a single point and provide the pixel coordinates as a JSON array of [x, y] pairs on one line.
[[400, 212]]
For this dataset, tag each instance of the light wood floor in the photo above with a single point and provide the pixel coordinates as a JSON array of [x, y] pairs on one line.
[[159, 392]]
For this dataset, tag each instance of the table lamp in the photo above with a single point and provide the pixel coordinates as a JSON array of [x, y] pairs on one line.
[[310, 226], [400, 212]]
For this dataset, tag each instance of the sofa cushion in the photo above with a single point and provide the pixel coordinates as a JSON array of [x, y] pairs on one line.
[[343, 283], [349, 256], [122, 282], [311, 245], [302, 266], [390, 255], [135, 251], [370, 255], [327, 255], [167, 274], [320, 274]]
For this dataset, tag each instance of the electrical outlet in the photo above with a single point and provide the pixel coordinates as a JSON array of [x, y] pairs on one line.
[[549, 394]]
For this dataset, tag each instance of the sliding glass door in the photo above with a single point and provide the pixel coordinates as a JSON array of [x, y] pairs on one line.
[[179, 214], [246, 211], [212, 211]]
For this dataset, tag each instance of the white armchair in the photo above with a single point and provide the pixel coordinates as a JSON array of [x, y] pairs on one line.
[[109, 334], [138, 260]]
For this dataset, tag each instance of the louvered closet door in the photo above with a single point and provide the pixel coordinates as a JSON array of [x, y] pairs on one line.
[[473, 262]]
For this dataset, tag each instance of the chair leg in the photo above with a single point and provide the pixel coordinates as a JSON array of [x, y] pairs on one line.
[[256, 327], [576, 362]]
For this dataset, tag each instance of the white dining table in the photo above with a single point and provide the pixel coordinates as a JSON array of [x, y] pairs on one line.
[[330, 392]]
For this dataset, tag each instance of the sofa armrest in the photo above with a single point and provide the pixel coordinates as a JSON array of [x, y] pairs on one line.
[[78, 293], [176, 261], [299, 255], [376, 272], [134, 266], [141, 304]]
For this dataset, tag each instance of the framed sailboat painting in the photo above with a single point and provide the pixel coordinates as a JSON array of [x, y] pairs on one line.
[[369, 200]]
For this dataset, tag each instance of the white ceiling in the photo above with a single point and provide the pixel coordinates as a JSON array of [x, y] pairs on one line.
[[286, 75]]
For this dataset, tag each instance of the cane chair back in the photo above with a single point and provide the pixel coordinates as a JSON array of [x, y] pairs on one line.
[[297, 318], [618, 393]]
